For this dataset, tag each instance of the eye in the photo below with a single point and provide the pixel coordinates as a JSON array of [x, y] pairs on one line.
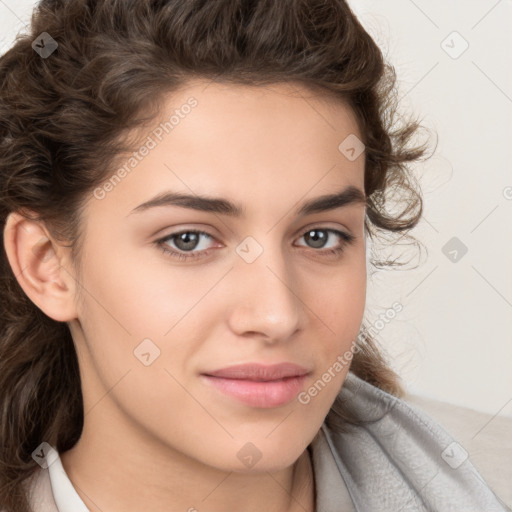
[[186, 245], [317, 238], [185, 242]]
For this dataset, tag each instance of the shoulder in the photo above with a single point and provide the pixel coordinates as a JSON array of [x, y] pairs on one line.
[[398, 458]]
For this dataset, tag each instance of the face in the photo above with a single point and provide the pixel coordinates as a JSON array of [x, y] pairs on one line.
[[173, 289]]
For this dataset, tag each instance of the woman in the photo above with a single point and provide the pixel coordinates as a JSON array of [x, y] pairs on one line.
[[188, 188]]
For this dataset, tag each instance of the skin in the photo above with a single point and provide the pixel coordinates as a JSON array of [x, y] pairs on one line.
[[157, 437]]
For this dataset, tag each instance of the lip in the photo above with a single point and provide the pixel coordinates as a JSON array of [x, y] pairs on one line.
[[259, 385]]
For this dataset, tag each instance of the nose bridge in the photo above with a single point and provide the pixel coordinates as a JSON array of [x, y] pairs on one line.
[[266, 300]]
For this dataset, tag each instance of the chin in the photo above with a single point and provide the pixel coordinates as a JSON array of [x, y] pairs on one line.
[[254, 457]]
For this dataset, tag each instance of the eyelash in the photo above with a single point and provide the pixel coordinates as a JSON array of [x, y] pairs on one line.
[[347, 239]]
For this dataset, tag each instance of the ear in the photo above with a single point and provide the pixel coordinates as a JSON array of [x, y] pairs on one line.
[[41, 266]]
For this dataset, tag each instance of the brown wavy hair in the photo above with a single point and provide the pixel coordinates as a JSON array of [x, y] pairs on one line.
[[62, 121]]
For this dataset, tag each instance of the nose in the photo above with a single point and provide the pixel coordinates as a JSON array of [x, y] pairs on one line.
[[266, 302]]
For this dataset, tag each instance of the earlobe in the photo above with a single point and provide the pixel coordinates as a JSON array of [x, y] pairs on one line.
[[41, 266]]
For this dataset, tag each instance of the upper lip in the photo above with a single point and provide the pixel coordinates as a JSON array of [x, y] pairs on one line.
[[260, 372]]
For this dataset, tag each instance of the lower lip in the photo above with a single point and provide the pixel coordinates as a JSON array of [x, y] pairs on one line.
[[267, 394]]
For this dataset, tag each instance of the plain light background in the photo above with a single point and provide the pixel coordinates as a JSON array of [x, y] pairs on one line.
[[452, 340]]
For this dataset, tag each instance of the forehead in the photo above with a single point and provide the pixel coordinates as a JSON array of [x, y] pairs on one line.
[[255, 144]]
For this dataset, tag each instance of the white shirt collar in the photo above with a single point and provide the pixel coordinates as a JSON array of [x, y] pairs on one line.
[[65, 496]]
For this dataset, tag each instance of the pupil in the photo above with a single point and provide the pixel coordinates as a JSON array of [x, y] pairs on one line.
[[187, 241], [318, 239]]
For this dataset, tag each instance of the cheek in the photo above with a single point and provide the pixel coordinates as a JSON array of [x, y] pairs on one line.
[[338, 299], [136, 313], [141, 295], [139, 328], [339, 304]]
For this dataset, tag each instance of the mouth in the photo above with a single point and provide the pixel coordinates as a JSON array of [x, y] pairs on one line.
[[258, 385]]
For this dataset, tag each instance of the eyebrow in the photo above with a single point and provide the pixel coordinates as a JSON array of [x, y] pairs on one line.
[[351, 195]]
